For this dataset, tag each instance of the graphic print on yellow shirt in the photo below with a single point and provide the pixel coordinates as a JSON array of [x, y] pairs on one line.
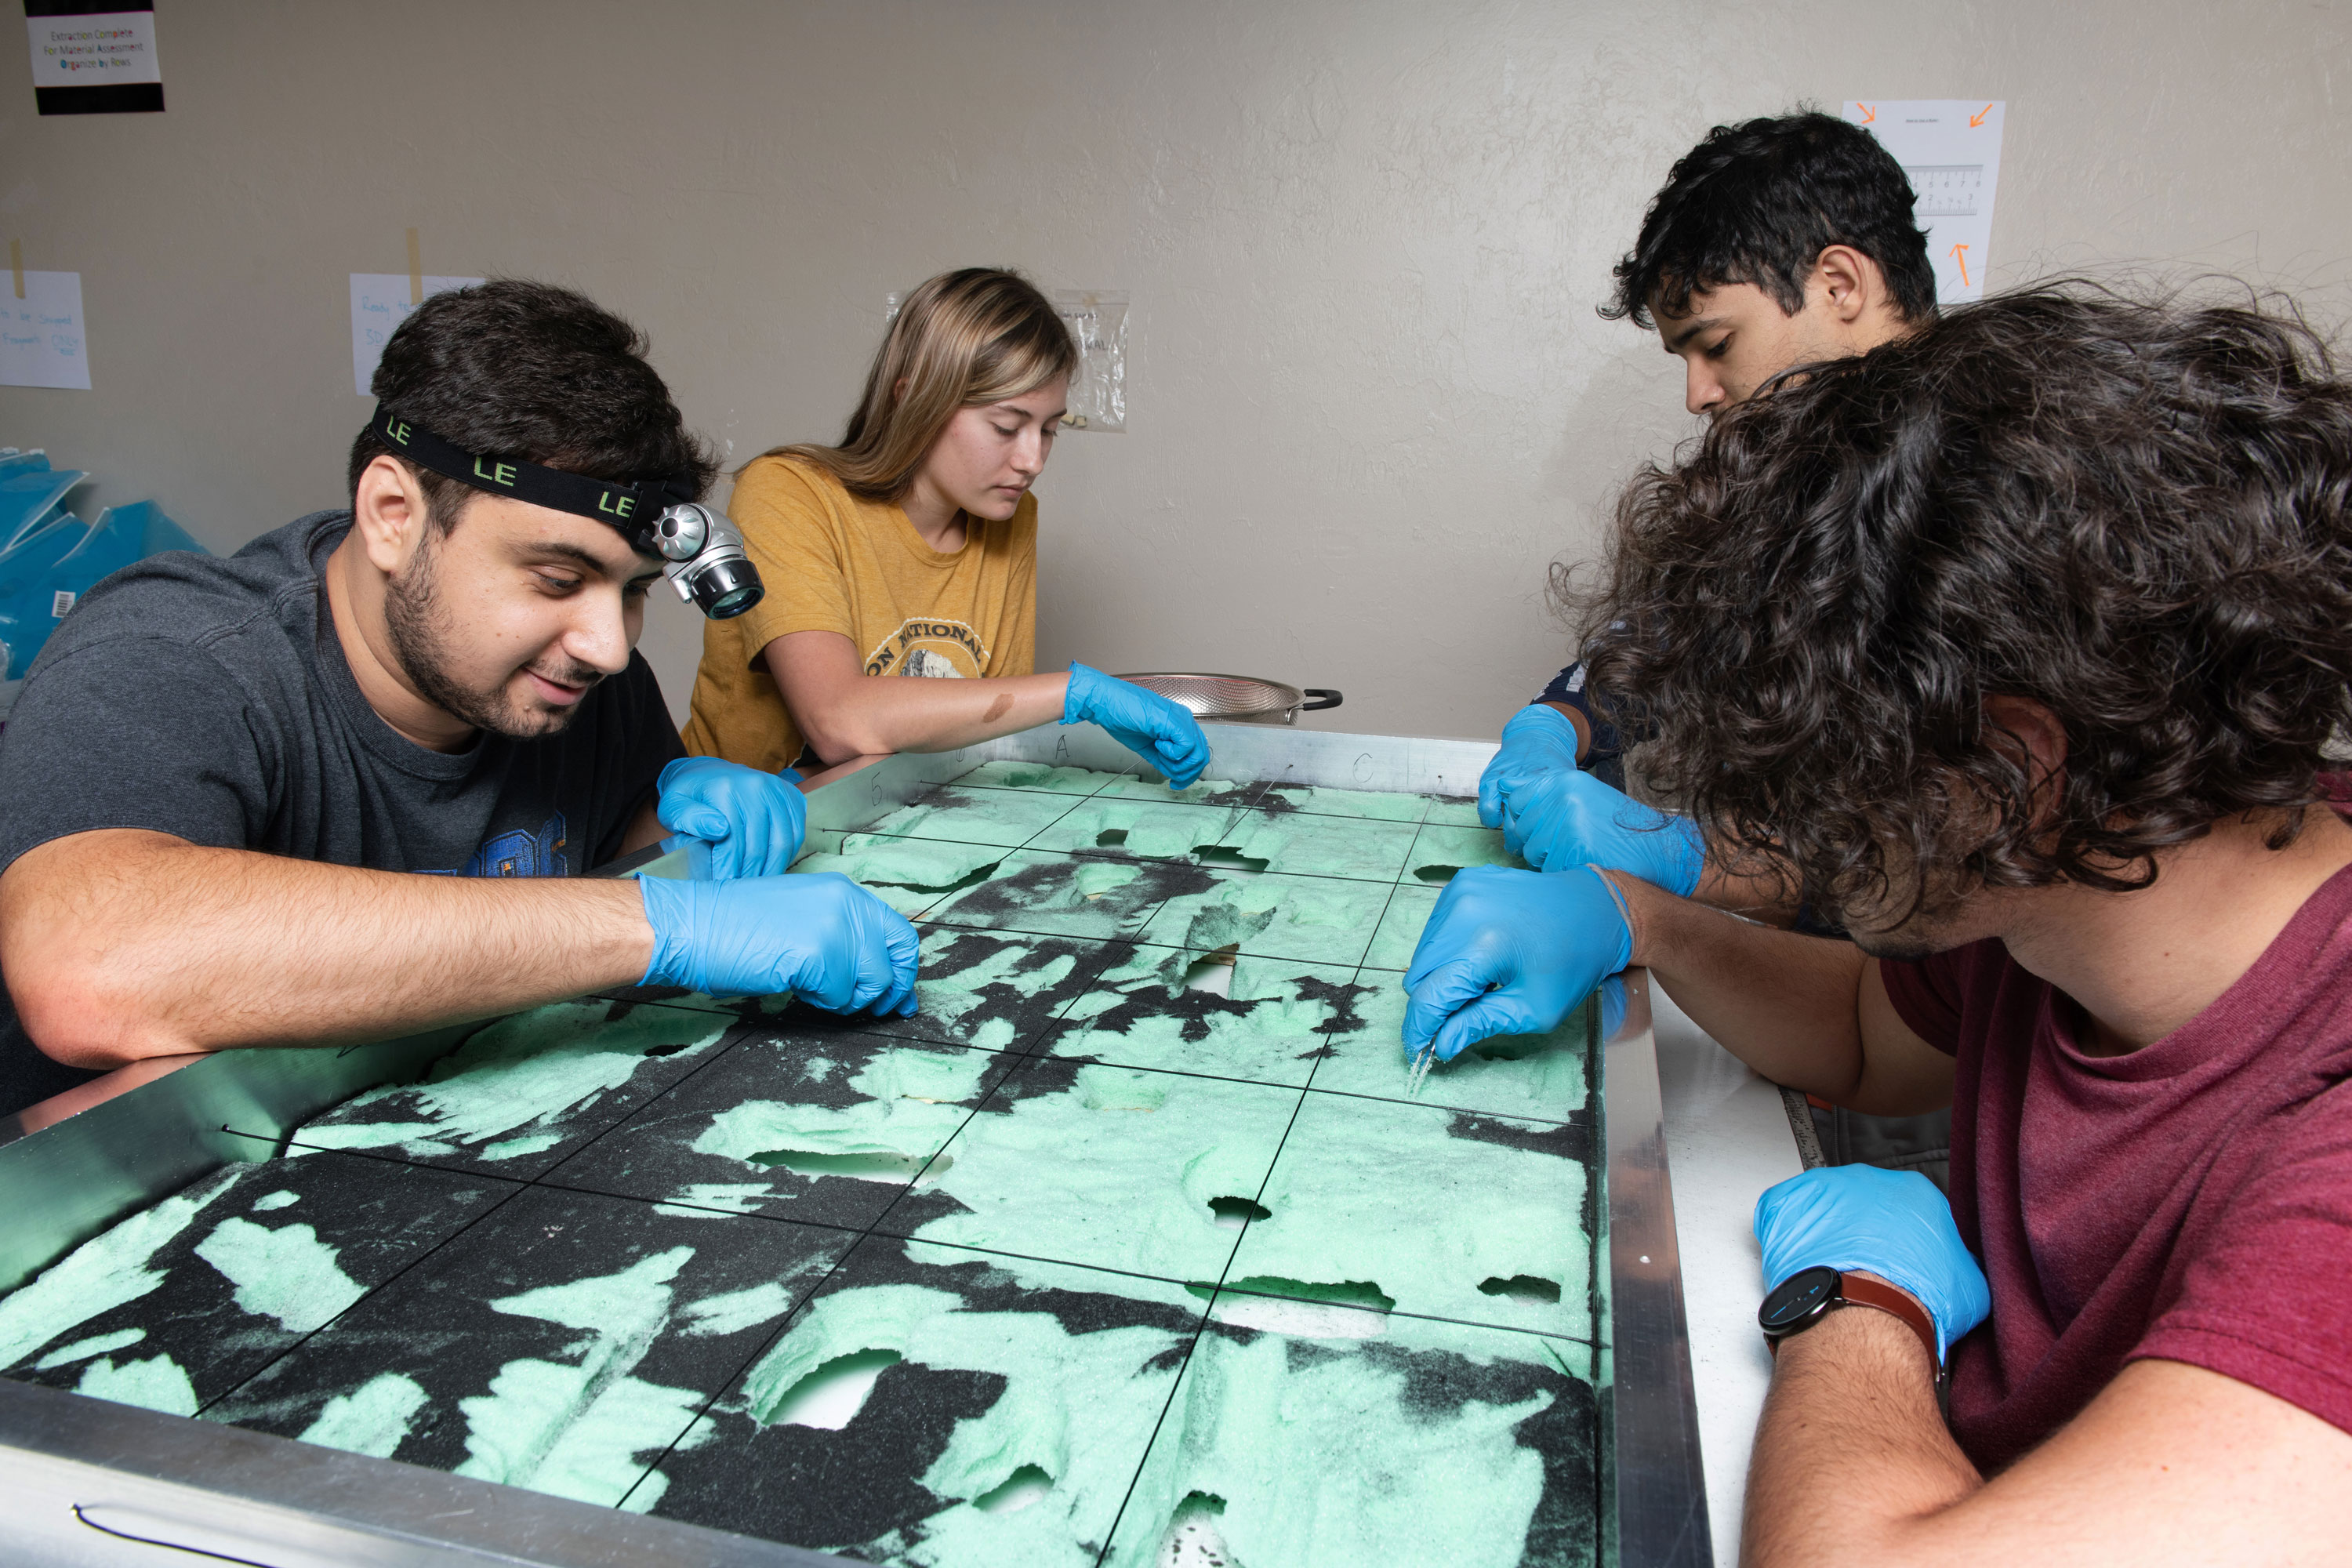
[[946, 650], [835, 563]]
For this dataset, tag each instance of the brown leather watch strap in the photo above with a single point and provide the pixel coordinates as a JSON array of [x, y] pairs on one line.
[[1859, 1290]]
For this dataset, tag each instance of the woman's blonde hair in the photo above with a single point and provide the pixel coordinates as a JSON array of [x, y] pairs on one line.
[[964, 339]]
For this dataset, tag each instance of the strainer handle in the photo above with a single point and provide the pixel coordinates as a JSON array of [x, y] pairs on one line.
[[1328, 699]]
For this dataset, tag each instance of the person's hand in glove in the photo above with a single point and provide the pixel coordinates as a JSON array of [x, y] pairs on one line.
[[1574, 819], [1509, 952], [1893, 1224], [815, 934], [752, 821], [1161, 733], [1539, 746], [1554, 816]]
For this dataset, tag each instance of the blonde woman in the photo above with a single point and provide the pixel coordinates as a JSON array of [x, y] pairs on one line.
[[911, 549]]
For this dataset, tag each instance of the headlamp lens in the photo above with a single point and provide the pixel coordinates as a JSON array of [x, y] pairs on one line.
[[725, 588]]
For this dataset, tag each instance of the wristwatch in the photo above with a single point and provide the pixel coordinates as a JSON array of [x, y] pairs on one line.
[[1809, 1295]]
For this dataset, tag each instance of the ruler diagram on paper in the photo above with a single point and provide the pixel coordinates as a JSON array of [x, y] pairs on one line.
[[1950, 149], [1947, 190]]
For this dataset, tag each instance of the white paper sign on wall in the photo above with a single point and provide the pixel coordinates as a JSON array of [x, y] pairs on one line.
[[90, 60], [41, 335], [380, 303], [1950, 147]]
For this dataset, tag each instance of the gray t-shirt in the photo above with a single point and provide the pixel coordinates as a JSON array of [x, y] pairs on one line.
[[209, 699]]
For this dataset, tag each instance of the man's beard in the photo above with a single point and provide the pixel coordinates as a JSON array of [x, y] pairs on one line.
[[1922, 934], [1898, 946], [418, 626]]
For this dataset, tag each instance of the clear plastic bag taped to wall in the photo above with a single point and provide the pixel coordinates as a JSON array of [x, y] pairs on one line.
[[1097, 323]]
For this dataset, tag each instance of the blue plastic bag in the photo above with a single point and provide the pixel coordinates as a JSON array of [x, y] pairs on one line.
[[29, 496], [38, 588], [29, 603]]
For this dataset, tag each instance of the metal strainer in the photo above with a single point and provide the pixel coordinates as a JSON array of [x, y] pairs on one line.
[[1237, 699]]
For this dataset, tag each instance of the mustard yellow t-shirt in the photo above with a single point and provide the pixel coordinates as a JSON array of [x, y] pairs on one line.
[[832, 563]]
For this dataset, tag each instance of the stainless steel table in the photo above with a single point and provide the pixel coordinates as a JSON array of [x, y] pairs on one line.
[[85, 1481]]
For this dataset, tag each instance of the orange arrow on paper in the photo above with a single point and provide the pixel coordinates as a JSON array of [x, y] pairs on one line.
[[1960, 255], [1978, 119], [1868, 113]]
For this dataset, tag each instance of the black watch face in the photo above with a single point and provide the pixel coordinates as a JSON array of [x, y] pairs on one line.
[[1801, 1296]]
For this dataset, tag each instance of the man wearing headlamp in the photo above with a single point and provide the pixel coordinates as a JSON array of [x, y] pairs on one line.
[[221, 774]]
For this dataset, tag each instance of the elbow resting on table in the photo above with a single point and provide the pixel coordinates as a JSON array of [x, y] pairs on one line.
[[86, 1013], [837, 732]]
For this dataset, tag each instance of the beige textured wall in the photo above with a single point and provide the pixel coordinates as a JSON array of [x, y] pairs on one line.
[[1369, 397]]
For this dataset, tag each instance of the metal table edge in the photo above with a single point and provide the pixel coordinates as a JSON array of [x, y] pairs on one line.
[[1660, 1518], [75, 1471]]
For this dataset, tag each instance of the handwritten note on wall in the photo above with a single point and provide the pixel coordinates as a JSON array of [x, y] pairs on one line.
[[41, 335], [380, 303], [1950, 147]]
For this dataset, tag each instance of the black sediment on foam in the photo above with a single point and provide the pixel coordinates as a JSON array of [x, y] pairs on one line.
[[1568, 1140], [1364, 1293], [1521, 1287], [973, 880]]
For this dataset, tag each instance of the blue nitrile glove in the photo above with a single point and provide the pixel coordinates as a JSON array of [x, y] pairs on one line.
[[1554, 816], [815, 933], [1574, 819], [1510, 953], [753, 821], [1538, 744], [1161, 733], [1893, 1224]]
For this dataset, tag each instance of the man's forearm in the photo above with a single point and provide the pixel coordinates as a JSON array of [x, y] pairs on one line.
[[123, 945], [1783, 1004], [1851, 1454]]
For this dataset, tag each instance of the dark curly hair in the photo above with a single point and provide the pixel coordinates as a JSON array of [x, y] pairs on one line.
[[1757, 202], [517, 369], [2137, 513]]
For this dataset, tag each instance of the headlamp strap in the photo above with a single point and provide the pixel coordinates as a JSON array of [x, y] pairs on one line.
[[631, 509]]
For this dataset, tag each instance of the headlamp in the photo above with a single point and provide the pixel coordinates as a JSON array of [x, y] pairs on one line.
[[702, 555]]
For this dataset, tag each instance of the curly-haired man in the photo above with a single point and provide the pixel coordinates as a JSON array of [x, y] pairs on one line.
[[2020, 647]]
